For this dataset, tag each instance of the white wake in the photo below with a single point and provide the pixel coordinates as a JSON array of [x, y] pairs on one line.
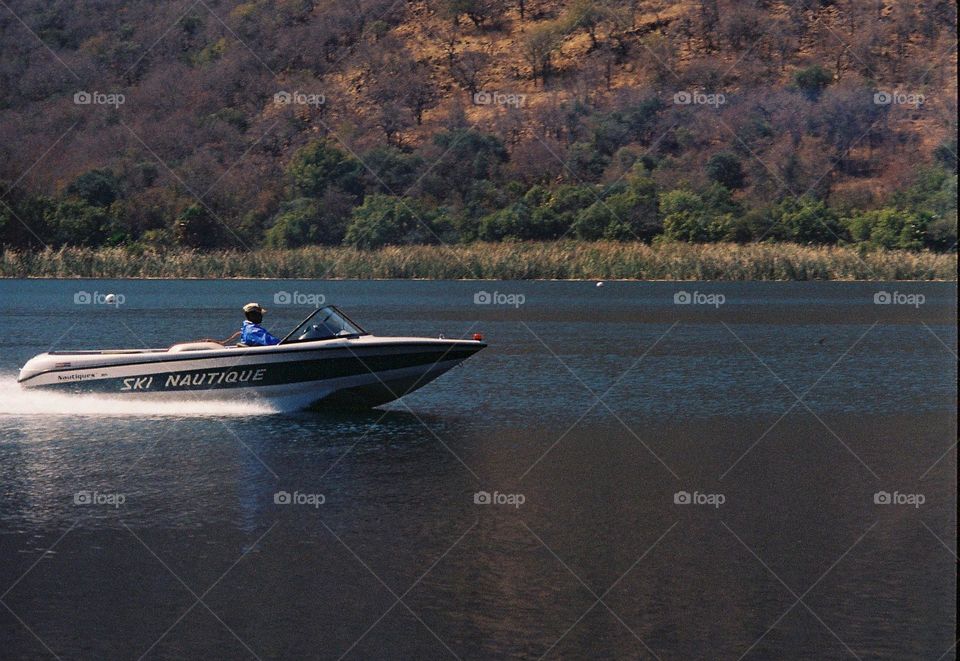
[[17, 401]]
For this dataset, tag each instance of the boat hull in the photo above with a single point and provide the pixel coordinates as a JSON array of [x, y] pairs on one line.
[[357, 373]]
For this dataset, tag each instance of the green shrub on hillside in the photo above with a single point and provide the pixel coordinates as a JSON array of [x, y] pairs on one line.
[[320, 164], [889, 228], [384, 220], [805, 220], [812, 81], [307, 221], [630, 215]]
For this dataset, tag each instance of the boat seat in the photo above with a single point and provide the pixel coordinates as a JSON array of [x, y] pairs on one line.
[[194, 346]]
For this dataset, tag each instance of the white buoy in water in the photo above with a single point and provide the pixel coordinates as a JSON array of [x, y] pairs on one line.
[[110, 299], [600, 284]]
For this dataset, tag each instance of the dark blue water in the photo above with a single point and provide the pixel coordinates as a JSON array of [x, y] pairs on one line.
[[782, 409]]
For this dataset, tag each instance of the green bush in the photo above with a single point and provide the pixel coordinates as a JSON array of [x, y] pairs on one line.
[[805, 220], [630, 215], [585, 161], [812, 81], [23, 218], [462, 159], [318, 165], [514, 222], [946, 155], [694, 218], [616, 129], [96, 187], [889, 228], [196, 227], [306, 221], [555, 211], [77, 223], [395, 171], [385, 220], [684, 217], [727, 170]]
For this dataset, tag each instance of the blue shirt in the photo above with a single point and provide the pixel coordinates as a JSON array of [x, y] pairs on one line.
[[253, 334]]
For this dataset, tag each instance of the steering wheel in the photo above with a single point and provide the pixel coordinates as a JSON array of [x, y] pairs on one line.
[[314, 330]]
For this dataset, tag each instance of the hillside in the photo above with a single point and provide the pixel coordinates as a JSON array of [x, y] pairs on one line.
[[223, 124]]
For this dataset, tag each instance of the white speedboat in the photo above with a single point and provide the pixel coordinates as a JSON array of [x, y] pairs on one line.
[[327, 359]]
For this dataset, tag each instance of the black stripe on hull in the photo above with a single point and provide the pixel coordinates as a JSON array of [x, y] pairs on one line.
[[262, 374], [375, 394]]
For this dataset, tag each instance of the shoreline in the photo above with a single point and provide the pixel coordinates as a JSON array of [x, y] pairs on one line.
[[543, 261]]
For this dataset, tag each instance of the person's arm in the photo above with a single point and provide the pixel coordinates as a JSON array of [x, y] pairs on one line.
[[226, 341], [231, 338], [269, 339]]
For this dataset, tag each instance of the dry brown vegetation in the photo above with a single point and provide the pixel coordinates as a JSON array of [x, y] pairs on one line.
[[504, 261], [199, 153]]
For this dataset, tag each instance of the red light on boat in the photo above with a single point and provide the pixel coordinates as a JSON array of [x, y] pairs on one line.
[[478, 337]]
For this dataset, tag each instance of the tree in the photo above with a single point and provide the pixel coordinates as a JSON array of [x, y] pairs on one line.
[[462, 157], [390, 170], [684, 218], [478, 11], [845, 117], [514, 222], [309, 221], [805, 220], [889, 228], [585, 161], [98, 187], [74, 222], [386, 220], [811, 81], [406, 81], [741, 26], [318, 165], [709, 15], [467, 69], [560, 206], [631, 215], [946, 154], [538, 48], [392, 120], [725, 169], [690, 217], [24, 218], [196, 227], [586, 15]]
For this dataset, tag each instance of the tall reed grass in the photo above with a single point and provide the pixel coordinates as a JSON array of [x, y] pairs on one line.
[[506, 261]]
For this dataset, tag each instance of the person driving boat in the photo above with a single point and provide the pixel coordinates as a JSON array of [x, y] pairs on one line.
[[252, 334]]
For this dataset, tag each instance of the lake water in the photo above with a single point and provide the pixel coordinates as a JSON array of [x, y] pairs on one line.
[[671, 480]]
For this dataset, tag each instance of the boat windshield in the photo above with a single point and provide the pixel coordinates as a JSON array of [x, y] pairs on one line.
[[326, 323]]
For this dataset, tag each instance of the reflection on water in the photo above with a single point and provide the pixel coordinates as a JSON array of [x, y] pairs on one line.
[[300, 530]]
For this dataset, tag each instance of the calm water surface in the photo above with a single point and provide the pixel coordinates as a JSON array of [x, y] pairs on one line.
[[781, 410]]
